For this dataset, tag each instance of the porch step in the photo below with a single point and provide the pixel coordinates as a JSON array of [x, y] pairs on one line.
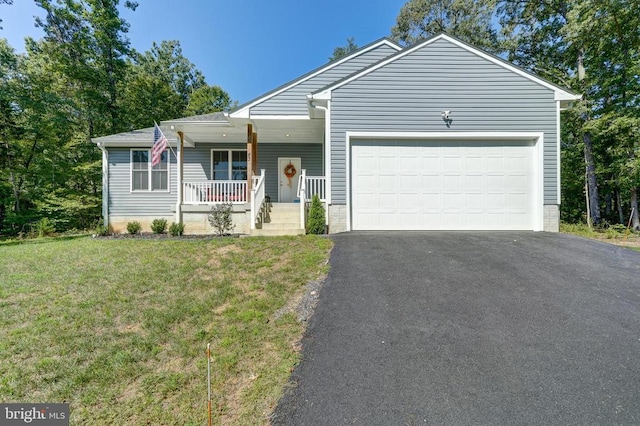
[[283, 219]]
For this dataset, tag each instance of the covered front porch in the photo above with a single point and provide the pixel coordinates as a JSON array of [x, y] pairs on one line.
[[251, 164]]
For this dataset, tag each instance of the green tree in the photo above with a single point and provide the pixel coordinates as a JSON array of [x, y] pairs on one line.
[[341, 51], [469, 20], [607, 34], [208, 99], [535, 39], [167, 63], [145, 98]]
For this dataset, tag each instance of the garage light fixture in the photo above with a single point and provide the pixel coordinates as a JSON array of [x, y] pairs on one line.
[[446, 117]]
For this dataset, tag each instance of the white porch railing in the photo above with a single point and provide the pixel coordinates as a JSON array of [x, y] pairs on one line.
[[257, 197], [302, 195], [315, 185], [215, 191]]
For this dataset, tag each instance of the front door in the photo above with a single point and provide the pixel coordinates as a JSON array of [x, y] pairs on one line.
[[289, 169]]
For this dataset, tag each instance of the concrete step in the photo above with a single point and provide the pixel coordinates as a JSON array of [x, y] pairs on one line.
[[284, 219], [276, 232]]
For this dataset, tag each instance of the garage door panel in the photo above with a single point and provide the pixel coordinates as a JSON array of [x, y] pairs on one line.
[[442, 185]]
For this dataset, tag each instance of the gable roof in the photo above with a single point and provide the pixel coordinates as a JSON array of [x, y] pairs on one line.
[[561, 94], [242, 111]]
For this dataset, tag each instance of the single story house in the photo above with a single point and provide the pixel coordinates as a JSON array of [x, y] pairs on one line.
[[436, 136]]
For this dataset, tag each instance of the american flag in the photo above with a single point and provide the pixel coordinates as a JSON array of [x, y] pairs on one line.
[[160, 143]]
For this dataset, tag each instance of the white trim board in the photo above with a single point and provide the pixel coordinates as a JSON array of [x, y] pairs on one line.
[[538, 168]]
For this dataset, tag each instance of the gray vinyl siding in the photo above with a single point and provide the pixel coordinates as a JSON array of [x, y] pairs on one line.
[[293, 101], [197, 167], [197, 161], [410, 93], [124, 202], [310, 154]]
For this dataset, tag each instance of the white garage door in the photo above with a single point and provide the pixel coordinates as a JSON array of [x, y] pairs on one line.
[[431, 185]]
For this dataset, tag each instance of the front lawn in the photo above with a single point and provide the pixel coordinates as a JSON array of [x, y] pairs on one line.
[[119, 328]]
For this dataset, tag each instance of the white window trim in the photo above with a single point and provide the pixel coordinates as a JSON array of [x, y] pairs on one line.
[[149, 169], [230, 157]]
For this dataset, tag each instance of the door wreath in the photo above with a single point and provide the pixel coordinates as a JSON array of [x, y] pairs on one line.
[[290, 171]]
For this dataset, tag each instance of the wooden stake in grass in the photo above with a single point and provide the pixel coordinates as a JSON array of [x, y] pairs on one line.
[[209, 381]]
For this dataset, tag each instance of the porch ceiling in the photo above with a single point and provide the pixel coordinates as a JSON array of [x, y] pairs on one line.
[[269, 131]]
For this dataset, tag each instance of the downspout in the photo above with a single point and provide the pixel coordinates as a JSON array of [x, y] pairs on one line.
[[327, 153], [105, 184]]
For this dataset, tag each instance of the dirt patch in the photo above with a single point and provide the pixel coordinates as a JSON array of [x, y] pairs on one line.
[[303, 305], [631, 241]]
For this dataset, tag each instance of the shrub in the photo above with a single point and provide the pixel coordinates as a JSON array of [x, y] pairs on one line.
[[134, 228], [315, 220], [176, 229], [159, 226], [44, 227], [102, 230], [220, 218]]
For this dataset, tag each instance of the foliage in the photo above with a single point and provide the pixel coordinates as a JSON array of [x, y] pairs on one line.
[[102, 230], [159, 226], [220, 218], [81, 80], [134, 227], [591, 47], [469, 20], [44, 227], [208, 99], [316, 218], [123, 327], [167, 63], [341, 51], [176, 229]]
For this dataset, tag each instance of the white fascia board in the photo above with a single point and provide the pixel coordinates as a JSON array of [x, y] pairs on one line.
[[279, 117], [561, 95], [245, 111], [446, 135], [325, 95], [558, 92]]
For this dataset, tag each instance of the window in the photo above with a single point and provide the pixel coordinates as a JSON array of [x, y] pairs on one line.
[[147, 178], [228, 165]]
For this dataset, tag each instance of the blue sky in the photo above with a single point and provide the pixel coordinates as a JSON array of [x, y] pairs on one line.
[[247, 47]]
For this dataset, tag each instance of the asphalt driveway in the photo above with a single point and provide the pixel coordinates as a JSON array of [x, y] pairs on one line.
[[471, 328]]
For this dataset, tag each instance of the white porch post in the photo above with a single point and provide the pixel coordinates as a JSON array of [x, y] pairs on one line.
[[179, 173], [327, 154], [105, 185]]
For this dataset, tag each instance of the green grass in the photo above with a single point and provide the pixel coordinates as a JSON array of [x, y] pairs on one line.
[[616, 234], [119, 328]]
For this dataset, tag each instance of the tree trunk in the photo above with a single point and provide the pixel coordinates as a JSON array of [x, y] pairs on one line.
[[592, 180], [619, 204], [3, 213], [635, 218]]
